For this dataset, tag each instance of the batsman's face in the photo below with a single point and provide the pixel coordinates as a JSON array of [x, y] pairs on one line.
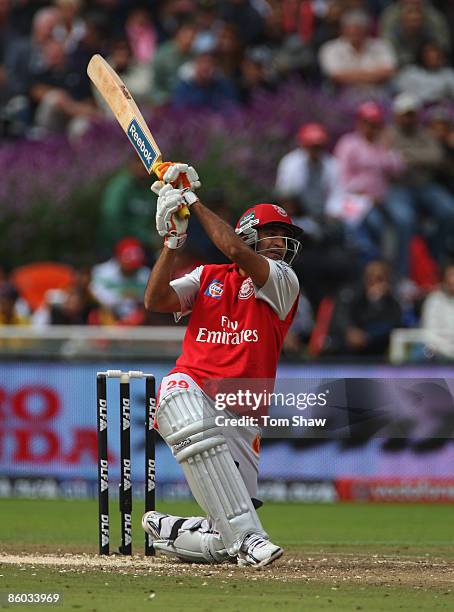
[[273, 242]]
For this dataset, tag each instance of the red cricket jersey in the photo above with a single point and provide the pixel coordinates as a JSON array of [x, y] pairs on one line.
[[233, 330]]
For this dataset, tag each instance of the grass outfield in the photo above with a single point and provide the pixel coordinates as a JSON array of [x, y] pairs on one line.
[[338, 557]]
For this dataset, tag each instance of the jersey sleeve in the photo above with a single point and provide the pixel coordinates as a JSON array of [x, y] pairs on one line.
[[187, 288], [281, 289]]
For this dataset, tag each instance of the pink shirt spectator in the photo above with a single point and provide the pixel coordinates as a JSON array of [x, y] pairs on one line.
[[141, 36], [365, 167]]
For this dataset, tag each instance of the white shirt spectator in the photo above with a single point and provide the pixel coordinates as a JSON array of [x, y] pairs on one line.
[[337, 56], [293, 176], [426, 85], [438, 317], [119, 292]]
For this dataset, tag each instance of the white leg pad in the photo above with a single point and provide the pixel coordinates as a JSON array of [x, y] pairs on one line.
[[186, 421]]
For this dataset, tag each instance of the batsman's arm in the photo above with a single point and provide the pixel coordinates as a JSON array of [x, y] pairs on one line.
[[233, 247], [159, 295]]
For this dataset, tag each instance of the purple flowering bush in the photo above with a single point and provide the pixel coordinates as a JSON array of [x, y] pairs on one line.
[[50, 191]]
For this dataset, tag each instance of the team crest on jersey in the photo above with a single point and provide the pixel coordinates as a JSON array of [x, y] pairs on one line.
[[215, 289], [246, 289]]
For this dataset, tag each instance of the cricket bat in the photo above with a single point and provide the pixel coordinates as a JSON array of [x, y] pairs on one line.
[[127, 113]]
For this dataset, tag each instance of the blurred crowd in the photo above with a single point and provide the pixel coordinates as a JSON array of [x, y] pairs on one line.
[[214, 53], [377, 206]]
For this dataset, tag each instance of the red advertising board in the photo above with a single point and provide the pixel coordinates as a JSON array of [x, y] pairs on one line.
[[418, 490]]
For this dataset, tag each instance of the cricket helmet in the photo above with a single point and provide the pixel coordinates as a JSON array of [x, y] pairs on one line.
[[259, 216]]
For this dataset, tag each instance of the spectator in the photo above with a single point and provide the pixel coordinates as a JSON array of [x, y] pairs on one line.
[[434, 24], [174, 13], [5, 37], [208, 24], [299, 18], [75, 306], [329, 25], [300, 330], [127, 208], [418, 192], [355, 59], [119, 283], [441, 126], [65, 308], [70, 29], [255, 77], [56, 93], [168, 59], [365, 163], [409, 33], [431, 80], [363, 319], [229, 52], [366, 167], [10, 311], [286, 53], [27, 54], [244, 15], [93, 41], [328, 261], [308, 172], [205, 87], [83, 286], [8, 39], [438, 314], [141, 35], [137, 77]]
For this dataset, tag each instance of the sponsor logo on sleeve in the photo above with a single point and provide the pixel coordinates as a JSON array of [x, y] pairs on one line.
[[215, 289]]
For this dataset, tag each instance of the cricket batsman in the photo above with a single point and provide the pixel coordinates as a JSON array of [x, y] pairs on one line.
[[239, 315]]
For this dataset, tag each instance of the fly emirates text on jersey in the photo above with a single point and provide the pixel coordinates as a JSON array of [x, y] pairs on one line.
[[230, 334]]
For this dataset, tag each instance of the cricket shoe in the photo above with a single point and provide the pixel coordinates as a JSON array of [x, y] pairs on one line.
[[152, 522], [258, 552]]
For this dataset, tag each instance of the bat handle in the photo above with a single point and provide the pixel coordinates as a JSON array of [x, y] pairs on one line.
[[184, 213]]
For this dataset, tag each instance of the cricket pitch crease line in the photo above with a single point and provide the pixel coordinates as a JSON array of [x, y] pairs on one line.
[[95, 561]]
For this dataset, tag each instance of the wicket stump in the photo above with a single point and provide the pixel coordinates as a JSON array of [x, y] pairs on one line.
[[125, 490]]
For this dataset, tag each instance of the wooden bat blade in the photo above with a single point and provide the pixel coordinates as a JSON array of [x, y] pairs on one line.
[[126, 111]]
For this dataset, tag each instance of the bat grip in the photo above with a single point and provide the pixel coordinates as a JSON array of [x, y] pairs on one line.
[[184, 213]]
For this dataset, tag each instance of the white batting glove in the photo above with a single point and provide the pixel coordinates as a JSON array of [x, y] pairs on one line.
[[157, 186], [168, 223], [177, 171], [188, 195]]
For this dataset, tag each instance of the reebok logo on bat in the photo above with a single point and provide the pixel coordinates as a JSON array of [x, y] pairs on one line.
[[143, 147]]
